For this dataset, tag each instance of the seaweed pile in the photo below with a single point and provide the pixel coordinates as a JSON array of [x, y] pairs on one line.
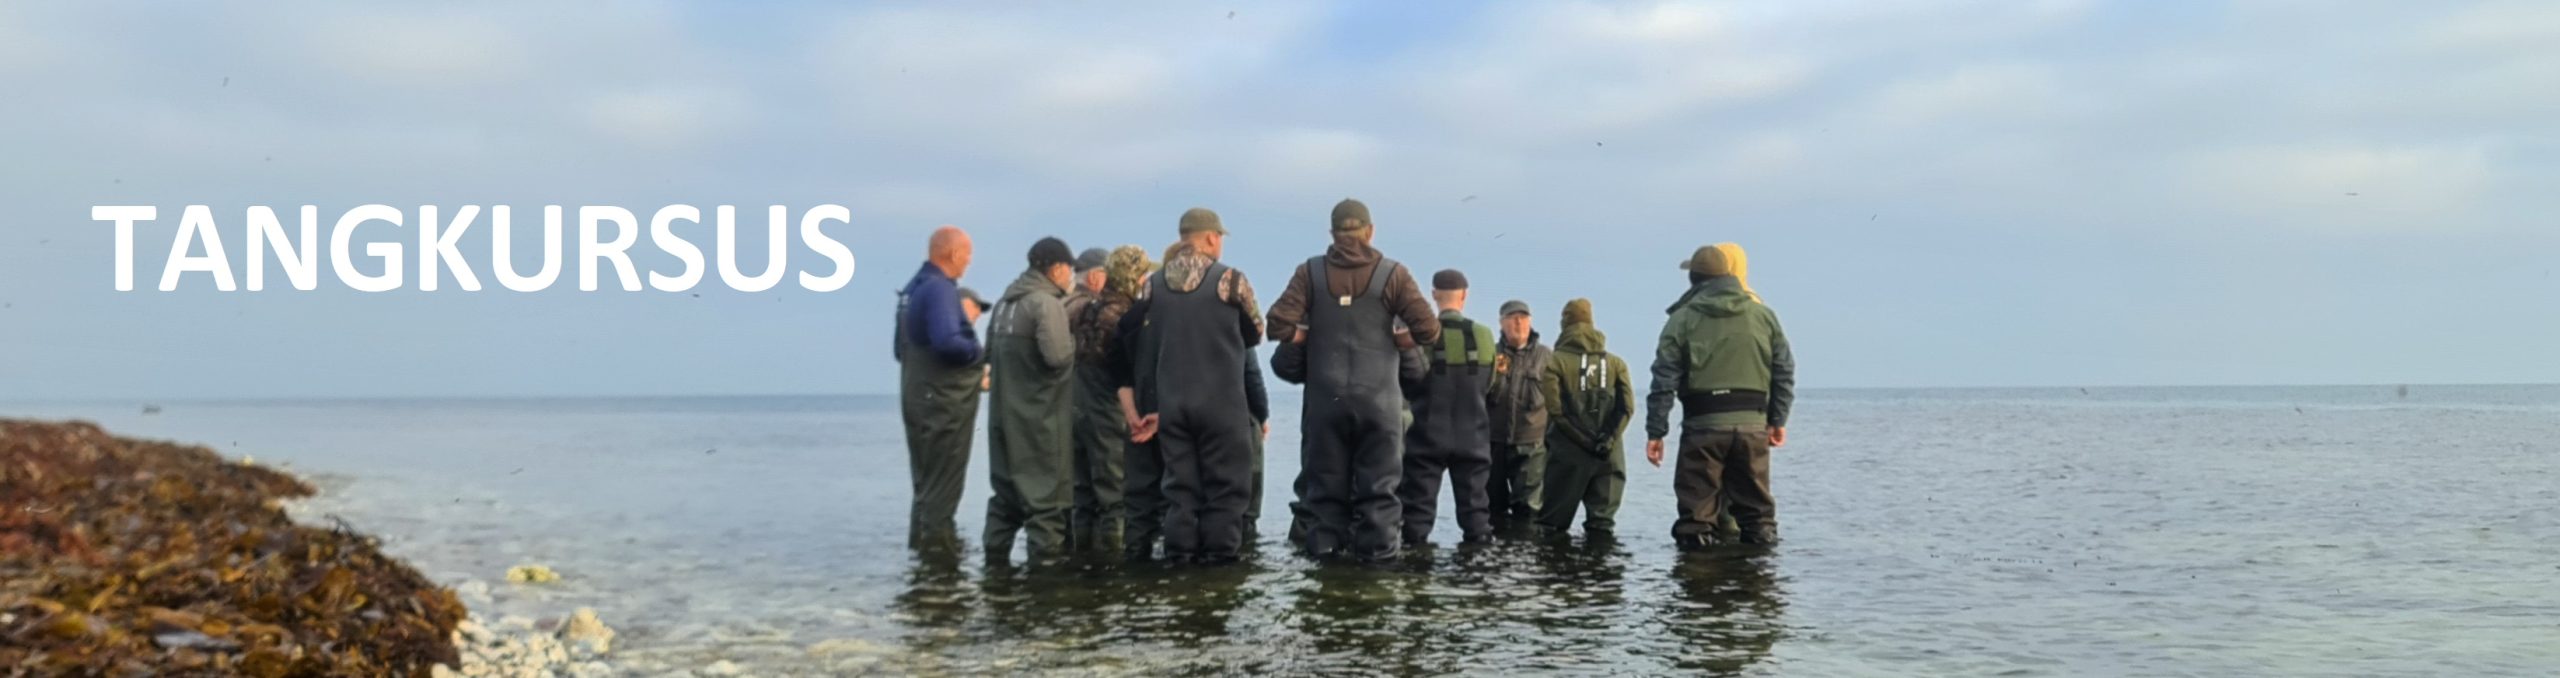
[[131, 557]]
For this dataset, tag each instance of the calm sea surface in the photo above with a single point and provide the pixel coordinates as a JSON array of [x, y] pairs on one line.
[[2205, 531]]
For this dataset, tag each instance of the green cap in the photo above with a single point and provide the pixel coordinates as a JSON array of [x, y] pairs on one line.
[[1350, 216], [1707, 261], [1199, 220]]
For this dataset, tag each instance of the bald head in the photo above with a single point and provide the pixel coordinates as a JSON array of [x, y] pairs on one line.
[[949, 249]]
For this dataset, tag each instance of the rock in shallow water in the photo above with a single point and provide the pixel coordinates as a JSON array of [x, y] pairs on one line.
[[587, 634], [532, 574]]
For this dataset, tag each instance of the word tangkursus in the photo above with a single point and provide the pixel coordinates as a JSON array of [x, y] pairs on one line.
[[439, 250]]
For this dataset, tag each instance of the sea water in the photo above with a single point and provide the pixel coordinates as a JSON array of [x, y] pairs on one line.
[[2137, 531]]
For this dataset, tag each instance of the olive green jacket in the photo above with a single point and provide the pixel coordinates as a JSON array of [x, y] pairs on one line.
[[1719, 338], [1574, 420]]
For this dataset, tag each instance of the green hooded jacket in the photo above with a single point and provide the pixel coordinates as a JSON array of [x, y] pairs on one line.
[[1590, 399], [1717, 339]]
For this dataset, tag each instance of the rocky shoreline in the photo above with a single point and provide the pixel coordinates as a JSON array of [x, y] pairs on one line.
[[135, 557]]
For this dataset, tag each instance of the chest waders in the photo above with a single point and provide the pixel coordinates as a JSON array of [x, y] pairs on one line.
[[1101, 505], [939, 403], [1451, 435], [1352, 429], [1030, 439], [1205, 429]]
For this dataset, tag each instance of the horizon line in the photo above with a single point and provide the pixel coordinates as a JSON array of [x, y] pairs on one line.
[[1279, 387]]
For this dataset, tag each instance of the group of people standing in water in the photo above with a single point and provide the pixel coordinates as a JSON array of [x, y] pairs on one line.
[[1127, 410]]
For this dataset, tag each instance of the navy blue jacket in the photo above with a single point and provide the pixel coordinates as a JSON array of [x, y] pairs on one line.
[[929, 316]]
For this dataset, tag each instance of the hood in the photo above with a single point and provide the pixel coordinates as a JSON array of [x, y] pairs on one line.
[[1184, 266], [1582, 338], [1718, 297], [1030, 283], [1351, 252]]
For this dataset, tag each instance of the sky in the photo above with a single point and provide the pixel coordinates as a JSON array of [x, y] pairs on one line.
[[1958, 193]]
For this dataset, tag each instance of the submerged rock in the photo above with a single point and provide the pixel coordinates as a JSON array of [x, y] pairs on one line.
[[583, 631], [532, 574]]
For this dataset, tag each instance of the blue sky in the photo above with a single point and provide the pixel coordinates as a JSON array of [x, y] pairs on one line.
[[1935, 194]]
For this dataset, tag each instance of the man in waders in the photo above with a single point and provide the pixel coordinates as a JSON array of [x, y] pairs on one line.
[[939, 374], [1590, 402], [1145, 463], [1519, 419], [1030, 439], [1340, 310], [1723, 356], [1093, 315], [1200, 322], [1451, 433]]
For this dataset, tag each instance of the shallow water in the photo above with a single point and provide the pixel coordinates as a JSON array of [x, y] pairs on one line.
[[2223, 531]]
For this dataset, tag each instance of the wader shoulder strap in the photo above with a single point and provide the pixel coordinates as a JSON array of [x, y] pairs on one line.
[[1378, 279], [898, 346]]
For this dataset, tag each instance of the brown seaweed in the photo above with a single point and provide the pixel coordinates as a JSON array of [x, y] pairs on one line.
[[132, 557]]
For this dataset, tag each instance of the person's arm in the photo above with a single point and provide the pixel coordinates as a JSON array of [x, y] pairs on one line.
[[1413, 368], [1049, 329], [1551, 384], [1289, 362], [946, 330], [1123, 358], [1536, 407], [1124, 370], [1235, 289], [1667, 365], [1289, 311], [1257, 401], [1421, 321], [1782, 381], [1626, 391]]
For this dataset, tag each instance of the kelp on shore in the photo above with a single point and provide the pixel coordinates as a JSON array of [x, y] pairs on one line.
[[132, 557]]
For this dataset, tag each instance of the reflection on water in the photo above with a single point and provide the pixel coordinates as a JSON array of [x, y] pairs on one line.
[[1523, 606], [1727, 613]]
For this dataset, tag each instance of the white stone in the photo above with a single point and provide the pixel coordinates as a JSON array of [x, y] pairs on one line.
[[719, 668], [846, 646], [587, 632], [442, 671]]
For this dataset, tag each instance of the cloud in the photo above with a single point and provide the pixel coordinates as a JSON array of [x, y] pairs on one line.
[[1534, 70], [1969, 94], [2496, 26], [672, 116], [434, 49], [2038, 139], [2405, 189]]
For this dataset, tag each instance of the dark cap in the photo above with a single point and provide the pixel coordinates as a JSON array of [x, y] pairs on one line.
[[1050, 252], [1515, 306], [1707, 261], [1350, 215], [1092, 258], [1201, 220], [1449, 280], [972, 296]]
